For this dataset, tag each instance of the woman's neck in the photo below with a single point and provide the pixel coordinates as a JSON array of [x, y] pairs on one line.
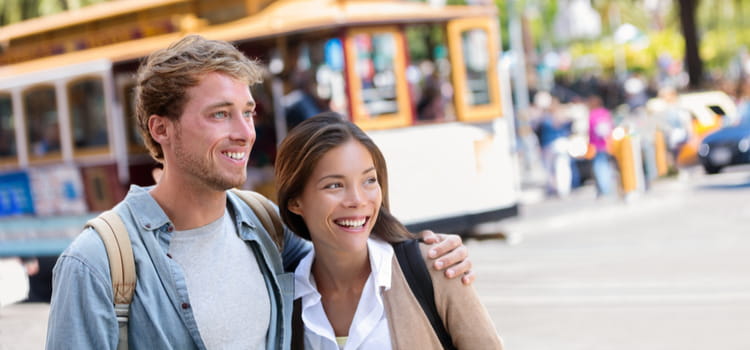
[[340, 279], [341, 271]]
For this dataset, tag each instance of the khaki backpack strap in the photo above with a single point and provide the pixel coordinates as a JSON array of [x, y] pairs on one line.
[[116, 240], [266, 212]]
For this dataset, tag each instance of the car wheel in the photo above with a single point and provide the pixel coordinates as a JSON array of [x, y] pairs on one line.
[[712, 169]]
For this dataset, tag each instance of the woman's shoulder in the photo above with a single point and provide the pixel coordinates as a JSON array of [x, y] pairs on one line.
[[438, 276]]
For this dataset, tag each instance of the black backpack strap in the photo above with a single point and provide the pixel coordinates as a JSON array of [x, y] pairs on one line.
[[415, 271], [298, 328]]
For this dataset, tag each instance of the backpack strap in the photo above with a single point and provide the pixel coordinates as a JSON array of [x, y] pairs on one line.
[[298, 327], [415, 271], [113, 233], [266, 212]]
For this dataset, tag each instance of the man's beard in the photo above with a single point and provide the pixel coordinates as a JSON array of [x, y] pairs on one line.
[[202, 169]]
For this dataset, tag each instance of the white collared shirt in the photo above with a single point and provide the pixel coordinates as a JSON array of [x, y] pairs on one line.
[[369, 329]]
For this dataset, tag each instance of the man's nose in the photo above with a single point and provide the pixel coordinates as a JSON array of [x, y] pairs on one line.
[[243, 129]]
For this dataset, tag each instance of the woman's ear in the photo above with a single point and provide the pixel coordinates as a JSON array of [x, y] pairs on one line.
[[158, 127], [294, 206]]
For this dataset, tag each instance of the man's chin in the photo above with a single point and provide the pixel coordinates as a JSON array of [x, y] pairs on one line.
[[227, 184]]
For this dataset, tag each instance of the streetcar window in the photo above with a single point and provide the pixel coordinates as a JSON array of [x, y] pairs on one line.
[[476, 63], [88, 114], [375, 69], [329, 75], [428, 73], [7, 131], [314, 78], [376, 77], [43, 125], [473, 46], [135, 140]]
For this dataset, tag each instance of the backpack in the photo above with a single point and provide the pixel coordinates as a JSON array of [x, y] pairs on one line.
[[116, 240], [416, 274]]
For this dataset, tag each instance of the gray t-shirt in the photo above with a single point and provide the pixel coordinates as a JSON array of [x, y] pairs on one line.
[[227, 291]]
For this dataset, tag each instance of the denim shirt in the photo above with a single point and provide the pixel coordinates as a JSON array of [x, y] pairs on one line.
[[82, 313]]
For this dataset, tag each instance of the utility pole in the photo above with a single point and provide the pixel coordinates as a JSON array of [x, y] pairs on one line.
[[520, 86], [530, 158]]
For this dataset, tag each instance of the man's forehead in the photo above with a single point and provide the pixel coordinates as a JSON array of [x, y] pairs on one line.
[[226, 94]]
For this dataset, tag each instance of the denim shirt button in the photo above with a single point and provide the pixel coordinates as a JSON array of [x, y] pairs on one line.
[[170, 228], [169, 255], [148, 226], [185, 305]]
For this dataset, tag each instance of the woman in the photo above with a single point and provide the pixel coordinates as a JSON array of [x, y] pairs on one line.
[[333, 189]]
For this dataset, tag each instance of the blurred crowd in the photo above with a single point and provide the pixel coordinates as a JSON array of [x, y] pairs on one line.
[[579, 127]]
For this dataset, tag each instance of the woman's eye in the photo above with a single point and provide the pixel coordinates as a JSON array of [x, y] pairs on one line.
[[371, 180], [333, 185]]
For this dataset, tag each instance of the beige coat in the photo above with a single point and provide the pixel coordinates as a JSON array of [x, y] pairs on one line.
[[459, 307]]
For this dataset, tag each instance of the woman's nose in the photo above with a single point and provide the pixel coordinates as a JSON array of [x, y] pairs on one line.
[[354, 197]]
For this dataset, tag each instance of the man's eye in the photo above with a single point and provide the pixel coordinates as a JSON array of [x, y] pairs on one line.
[[249, 114], [219, 115]]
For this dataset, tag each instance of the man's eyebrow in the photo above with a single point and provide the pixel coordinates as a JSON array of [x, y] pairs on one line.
[[249, 103]]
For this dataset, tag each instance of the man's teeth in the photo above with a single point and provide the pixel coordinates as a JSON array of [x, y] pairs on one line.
[[235, 155], [351, 223]]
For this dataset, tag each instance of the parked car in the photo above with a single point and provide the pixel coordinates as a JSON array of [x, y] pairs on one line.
[[727, 146]]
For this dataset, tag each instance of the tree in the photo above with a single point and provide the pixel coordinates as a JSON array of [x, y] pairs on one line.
[[689, 32]]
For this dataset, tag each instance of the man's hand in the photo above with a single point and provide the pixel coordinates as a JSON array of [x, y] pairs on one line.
[[450, 255]]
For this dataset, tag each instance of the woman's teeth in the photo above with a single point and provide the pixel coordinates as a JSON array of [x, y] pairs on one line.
[[351, 223]]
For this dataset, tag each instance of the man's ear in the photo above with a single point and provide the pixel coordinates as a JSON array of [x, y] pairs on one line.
[[294, 206], [160, 128]]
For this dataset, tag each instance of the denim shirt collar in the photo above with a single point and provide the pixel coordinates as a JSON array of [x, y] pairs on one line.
[[150, 216], [243, 215]]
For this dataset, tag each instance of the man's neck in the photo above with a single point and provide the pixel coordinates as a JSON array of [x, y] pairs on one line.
[[189, 206]]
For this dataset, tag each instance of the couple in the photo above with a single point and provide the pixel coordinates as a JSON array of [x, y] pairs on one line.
[[208, 276]]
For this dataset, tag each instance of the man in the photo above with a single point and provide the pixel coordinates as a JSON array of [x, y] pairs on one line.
[[208, 276]]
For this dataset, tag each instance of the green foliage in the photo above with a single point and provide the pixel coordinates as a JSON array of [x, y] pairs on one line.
[[12, 11], [723, 27], [638, 56], [424, 40]]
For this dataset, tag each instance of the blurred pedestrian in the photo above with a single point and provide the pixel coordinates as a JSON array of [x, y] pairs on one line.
[[553, 129], [678, 122], [600, 129]]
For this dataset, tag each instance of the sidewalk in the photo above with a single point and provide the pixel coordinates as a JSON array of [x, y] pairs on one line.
[[23, 326], [539, 213]]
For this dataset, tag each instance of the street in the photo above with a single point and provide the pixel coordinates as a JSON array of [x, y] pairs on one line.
[[666, 270]]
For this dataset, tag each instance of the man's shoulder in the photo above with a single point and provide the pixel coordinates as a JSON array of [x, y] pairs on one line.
[[87, 249]]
